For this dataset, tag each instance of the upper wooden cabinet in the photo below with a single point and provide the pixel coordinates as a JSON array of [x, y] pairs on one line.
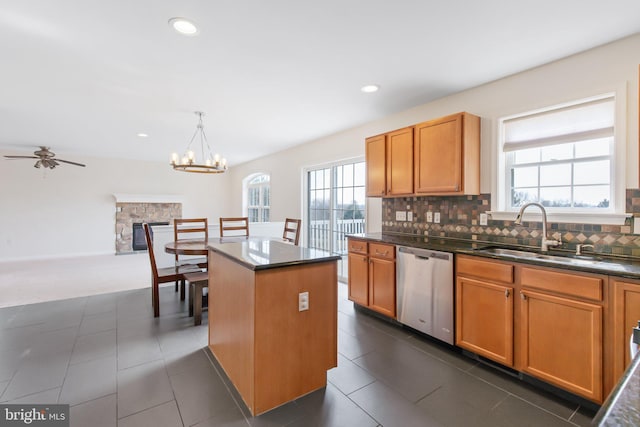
[[438, 157], [390, 163], [376, 158], [400, 162], [447, 155]]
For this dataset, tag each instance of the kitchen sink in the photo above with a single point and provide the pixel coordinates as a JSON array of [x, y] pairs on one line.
[[584, 260]]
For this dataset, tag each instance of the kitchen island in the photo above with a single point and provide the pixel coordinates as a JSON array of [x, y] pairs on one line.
[[272, 318]]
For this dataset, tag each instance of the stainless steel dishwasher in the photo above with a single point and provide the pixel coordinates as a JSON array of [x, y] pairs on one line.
[[425, 291]]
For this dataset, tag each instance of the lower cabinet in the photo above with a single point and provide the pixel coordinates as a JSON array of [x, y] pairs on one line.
[[545, 322], [372, 276], [484, 319], [561, 342], [626, 314]]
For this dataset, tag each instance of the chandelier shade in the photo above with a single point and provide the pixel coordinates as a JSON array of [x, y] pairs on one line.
[[207, 162]]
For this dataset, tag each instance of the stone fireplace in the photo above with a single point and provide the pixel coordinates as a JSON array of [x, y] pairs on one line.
[[138, 209]]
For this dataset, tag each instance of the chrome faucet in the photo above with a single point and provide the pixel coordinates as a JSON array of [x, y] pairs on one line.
[[579, 248], [544, 245]]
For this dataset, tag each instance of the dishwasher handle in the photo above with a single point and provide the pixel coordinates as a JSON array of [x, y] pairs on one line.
[[425, 254]]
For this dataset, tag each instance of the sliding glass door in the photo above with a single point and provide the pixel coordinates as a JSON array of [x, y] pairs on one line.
[[335, 207]]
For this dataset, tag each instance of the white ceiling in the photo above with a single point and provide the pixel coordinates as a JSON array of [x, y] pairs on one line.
[[86, 76]]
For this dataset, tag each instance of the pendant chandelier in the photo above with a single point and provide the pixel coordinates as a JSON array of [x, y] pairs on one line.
[[208, 162]]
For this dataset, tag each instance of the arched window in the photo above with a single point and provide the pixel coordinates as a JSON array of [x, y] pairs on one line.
[[257, 199]]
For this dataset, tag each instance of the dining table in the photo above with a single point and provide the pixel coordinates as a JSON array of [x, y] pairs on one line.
[[198, 246]]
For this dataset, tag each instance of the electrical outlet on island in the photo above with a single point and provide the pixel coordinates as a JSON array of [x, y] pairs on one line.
[[436, 217]]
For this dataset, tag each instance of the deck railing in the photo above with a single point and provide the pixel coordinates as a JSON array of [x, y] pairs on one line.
[[320, 236]]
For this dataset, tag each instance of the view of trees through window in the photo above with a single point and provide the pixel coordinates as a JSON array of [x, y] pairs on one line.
[[568, 175], [336, 205], [562, 157]]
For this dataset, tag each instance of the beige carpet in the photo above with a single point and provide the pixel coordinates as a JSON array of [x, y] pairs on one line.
[[27, 282]]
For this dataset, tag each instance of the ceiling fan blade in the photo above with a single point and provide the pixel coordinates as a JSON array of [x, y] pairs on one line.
[[71, 163], [21, 157]]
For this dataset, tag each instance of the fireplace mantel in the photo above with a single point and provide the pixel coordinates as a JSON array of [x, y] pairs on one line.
[[147, 198]]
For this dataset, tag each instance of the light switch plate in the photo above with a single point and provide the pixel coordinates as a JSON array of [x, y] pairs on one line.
[[429, 216], [401, 215], [636, 225], [303, 301], [409, 216], [436, 217], [483, 219]]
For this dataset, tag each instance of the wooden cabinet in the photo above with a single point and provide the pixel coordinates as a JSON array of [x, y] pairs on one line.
[[440, 157], [484, 308], [372, 276], [626, 314], [552, 330], [376, 160], [561, 335], [400, 162], [447, 155]]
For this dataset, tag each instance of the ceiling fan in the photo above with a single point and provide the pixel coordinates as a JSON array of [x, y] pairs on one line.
[[45, 158]]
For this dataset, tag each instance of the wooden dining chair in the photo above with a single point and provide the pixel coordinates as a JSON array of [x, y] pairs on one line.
[[238, 226], [190, 229], [197, 282], [162, 275], [292, 230]]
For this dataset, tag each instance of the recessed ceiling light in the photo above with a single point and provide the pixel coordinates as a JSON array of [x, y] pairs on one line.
[[143, 135], [370, 88], [184, 26]]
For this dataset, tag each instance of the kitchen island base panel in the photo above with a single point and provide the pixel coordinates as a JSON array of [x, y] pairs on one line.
[[272, 352]]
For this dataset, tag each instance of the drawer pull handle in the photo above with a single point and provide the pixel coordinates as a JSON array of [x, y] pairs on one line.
[[385, 253], [523, 296], [506, 293]]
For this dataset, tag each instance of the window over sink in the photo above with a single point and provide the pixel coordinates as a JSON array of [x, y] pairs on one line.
[[565, 157]]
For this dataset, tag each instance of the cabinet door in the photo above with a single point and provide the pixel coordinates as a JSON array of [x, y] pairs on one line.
[[400, 162], [358, 279], [626, 314], [438, 156], [382, 286], [484, 319], [375, 148], [561, 342]]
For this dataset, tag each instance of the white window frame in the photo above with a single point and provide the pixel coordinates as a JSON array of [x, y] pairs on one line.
[[615, 214], [305, 200], [246, 184]]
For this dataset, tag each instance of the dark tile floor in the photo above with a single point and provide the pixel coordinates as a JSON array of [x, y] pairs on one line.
[[116, 365]]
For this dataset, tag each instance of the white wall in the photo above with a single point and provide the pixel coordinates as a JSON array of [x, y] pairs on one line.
[[71, 210], [597, 71]]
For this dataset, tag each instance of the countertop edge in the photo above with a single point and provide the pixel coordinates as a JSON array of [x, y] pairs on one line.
[[624, 269]]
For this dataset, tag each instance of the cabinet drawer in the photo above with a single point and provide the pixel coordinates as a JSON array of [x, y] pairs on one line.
[[358, 246], [485, 269], [588, 287], [379, 250]]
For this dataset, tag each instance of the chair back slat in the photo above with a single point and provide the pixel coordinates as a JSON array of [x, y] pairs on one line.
[[292, 230], [152, 258], [189, 226], [234, 226]]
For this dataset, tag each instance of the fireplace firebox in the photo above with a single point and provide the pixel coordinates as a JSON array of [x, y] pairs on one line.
[[138, 242]]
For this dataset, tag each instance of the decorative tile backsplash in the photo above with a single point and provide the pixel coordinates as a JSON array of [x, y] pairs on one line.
[[459, 218]]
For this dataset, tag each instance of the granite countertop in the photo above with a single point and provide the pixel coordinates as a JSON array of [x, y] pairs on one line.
[[259, 253], [621, 407], [610, 265]]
